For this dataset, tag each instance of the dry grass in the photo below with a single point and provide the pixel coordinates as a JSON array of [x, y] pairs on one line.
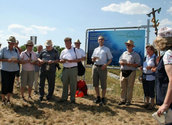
[[85, 112]]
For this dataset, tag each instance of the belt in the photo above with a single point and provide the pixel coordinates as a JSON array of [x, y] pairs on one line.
[[98, 65], [70, 67]]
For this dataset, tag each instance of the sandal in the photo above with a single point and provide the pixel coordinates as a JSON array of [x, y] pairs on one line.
[[151, 107]]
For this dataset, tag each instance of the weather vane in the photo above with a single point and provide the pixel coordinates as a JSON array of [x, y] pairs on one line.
[[154, 21]]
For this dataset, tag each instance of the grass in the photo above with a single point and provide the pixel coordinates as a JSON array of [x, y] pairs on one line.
[[85, 112]]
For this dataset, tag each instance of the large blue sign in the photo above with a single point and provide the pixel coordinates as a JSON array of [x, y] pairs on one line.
[[115, 41]]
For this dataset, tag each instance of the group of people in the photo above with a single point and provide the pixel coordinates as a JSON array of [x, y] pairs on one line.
[[43, 65]]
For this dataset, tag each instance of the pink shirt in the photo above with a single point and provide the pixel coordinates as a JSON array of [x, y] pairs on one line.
[[26, 56]]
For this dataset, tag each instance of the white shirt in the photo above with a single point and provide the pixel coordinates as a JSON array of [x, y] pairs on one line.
[[82, 52], [24, 56], [149, 62], [167, 58], [103, 53], [69, 54]]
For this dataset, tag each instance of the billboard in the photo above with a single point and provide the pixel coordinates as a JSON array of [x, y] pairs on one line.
[[115, 41]]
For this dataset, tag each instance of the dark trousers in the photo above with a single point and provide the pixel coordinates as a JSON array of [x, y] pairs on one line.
[[7, 81], [149, 88], [50, 76]]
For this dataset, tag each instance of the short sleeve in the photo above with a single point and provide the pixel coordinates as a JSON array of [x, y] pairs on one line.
[[167, 58], [1, 53], [61, 55], [94, 52], [137, 59], [109, 54], [22, 55]]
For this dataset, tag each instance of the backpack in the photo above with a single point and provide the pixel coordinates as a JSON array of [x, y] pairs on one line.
[[81, 88]]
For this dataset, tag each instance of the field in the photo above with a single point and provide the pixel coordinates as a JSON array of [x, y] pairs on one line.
[[84, 112]]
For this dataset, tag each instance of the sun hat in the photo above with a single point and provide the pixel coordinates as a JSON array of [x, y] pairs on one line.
[[130, 42], [11, 39], [77, 41], [48, 43], [29, 43]]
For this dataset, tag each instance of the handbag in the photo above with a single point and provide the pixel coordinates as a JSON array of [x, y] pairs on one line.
[[126, 73], [81, 68]]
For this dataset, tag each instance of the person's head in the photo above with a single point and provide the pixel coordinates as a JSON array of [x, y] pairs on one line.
[[39, 48], [77, 44], [11, 41], [129, 45], [29, 45], [68, 42], [150, 50], [49, 45], [101, 40], [17, 43], [164, 39]]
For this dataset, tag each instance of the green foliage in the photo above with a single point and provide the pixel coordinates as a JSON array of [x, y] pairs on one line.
[[59, 49], [23, 48]]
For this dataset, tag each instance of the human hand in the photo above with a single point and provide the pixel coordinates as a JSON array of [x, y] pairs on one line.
[[162, 109], [104, 67]]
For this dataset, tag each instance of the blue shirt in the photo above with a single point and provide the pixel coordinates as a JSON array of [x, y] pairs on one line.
[[37, 68], [5, 53], [49, 55]]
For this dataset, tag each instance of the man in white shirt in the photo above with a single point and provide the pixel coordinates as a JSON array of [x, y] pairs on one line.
[[101, 57], [69, 58], [81, 51]]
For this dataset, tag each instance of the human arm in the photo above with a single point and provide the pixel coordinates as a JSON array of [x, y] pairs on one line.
[[105, 65], [168, 97]]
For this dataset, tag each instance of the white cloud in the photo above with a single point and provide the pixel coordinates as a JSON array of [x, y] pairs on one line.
[[165, 22], [43, 29], [170, 10], [30, 30], [127, 8]]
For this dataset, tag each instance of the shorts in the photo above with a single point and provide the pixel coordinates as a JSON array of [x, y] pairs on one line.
[[99, 74], [27, 78]]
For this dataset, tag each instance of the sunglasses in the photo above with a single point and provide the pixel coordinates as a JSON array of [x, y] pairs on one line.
[[128, 45], [100, 39]]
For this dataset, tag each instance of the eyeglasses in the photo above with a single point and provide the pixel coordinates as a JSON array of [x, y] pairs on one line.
[[128, 45], [100, 39]]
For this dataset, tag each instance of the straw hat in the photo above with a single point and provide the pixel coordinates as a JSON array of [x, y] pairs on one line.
[[48, 43], [77, 41], [130, 42], [12, 39], [29, 43]]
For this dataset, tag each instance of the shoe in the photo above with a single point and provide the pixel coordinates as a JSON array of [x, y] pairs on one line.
[[103, 101], [8, 102], [146, 105], [97, 101], [151, 107], [121, 103], [23, 98], [40, 99], [62, 100], [128, 103], [30, 98], [48, 98], [3, 102], [73, 102], [35, 92]]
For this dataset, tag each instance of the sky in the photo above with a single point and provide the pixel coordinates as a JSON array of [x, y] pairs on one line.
[[57, 19]]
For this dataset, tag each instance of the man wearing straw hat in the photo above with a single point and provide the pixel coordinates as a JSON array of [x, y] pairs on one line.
[[49, 58], [129, 62]]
